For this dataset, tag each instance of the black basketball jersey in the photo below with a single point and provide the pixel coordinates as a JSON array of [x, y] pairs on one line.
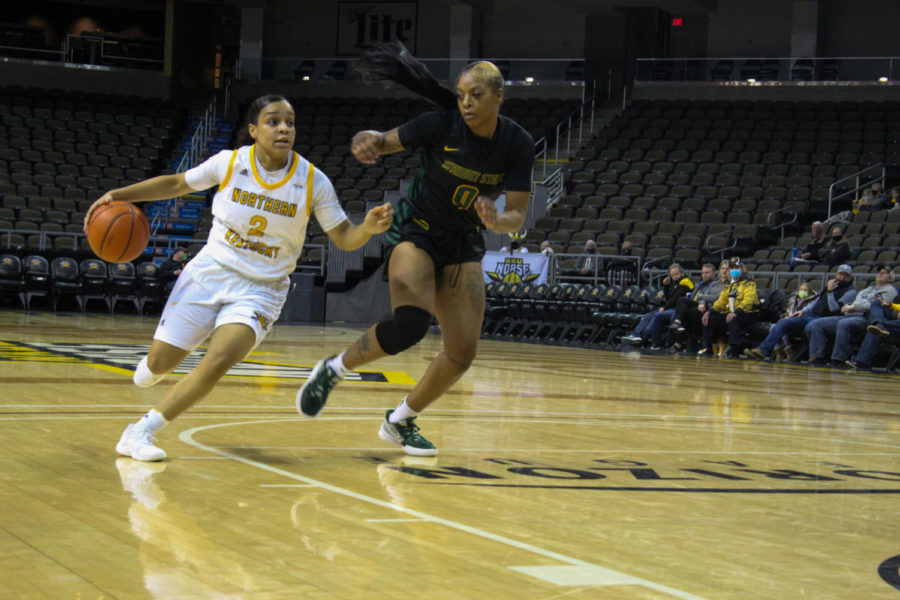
[[458, 166]]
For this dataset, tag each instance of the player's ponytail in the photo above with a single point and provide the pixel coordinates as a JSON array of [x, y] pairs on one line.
[[394, 62]]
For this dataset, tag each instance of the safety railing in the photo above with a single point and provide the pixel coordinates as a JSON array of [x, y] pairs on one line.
[[761, 71], [865, 177], [726, 235], [774, 219]]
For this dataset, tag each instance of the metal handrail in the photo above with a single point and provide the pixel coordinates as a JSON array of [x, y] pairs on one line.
[[555, 184], [856, 177], [568, 124], [597, 274], [783, 224], [541, 152], [726, 234]]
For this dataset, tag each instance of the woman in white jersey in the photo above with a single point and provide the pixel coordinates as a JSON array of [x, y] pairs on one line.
[[235, 287]]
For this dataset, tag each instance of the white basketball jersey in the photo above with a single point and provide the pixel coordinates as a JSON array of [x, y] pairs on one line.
[[260, 218]]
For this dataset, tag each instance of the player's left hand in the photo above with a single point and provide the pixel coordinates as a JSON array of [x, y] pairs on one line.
[[378, 219], [487, 212]]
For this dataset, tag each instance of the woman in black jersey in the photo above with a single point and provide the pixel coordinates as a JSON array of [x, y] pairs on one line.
[[470, 155]]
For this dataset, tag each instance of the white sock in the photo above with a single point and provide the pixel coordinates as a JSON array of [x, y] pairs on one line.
[[153, 421], [144, 377], [337, 365], [402, 413]]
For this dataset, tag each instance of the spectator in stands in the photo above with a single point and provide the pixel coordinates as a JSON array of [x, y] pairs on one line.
[[235, 288], [515, 246], [676, 285], [884, 326], [171, 268], [837, 250], [736, 309], [797, 316], [546, 248], [893, 203], [623, 271], [588, 263], [811, 251], [689, 309], [851, 324], [872, 198], [470, 155]]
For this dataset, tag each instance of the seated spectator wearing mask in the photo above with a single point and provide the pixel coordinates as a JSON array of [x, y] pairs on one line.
[[622, 272], [837, 250], [736, 309], [676, 285], [588, 263], [811, 251], [853, 322], [873, 198], [798, 313], [689, 308], [546, 248], [884, 326]]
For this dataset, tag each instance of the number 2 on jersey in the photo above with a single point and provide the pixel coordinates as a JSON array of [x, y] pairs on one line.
[[464, 196], [257, 225]]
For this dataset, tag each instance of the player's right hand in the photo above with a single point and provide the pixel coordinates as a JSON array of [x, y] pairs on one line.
[[104, 199]]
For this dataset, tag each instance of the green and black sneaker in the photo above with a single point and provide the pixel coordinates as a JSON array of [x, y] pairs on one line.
[[406, 435], [312, 396]]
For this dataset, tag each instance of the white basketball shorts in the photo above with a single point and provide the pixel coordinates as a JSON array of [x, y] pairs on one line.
[[207, 295]]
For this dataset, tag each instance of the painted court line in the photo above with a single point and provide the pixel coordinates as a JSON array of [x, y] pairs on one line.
[[286, 485], [576, 570]]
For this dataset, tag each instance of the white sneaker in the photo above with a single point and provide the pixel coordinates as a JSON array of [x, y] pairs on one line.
[[144, 377], [137, 443]]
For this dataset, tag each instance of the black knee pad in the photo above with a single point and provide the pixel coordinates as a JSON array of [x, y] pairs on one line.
[[403, 330]]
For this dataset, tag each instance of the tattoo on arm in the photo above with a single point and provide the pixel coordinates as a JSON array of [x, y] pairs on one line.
[[390, 142]]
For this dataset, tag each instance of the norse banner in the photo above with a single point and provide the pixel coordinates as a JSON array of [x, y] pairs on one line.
[[512, 268], [361, 24]]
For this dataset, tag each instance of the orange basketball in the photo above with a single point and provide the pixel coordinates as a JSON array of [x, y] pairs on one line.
[[118, 232]]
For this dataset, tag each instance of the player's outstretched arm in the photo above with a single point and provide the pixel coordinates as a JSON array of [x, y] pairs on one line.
[[162, 187], [368, 145], [347, 236]]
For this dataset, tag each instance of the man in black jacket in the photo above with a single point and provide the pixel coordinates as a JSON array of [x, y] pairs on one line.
[[653, 324], [171, 268], [837, 250]]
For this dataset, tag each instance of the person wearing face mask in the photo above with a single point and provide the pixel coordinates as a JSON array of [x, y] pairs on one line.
[[622, 272], [802, 299], [736, 309], [851, 323], [588, 263], [837, 250]]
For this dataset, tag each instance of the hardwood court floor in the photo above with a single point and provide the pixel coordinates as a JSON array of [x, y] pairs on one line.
[[563, 473]]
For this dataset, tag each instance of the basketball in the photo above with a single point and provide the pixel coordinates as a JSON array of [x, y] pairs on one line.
[[118, 232]]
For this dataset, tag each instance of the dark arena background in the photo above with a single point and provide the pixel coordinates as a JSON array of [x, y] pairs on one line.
[[588, 452]]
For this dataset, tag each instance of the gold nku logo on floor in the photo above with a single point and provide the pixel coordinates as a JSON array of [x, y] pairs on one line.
[[125, 357]]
